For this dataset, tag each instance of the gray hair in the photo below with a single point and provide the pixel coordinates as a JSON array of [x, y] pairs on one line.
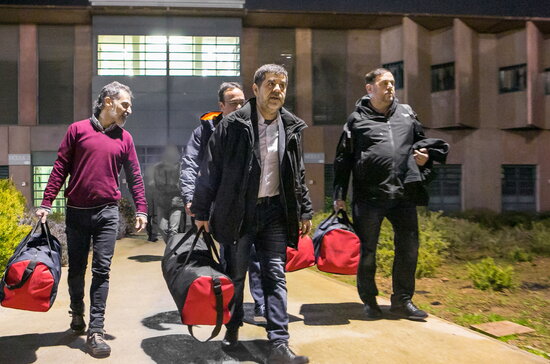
[[110, 90], [370, 78], [259, 75], [227, 86]]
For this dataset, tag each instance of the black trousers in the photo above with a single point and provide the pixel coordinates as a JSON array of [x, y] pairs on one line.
[[268, 234], [97, 226], [368, 217]]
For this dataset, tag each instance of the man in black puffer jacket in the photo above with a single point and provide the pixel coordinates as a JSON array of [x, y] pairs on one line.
[[384, 145], [253, 174]]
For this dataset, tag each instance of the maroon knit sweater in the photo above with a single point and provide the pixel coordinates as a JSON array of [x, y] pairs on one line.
[[93, 159]]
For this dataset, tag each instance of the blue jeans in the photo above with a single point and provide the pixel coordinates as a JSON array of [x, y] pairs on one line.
[[84, 226], [268, 234], [367, 218]]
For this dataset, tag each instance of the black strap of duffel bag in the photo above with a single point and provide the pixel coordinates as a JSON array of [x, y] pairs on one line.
[[219, 312], [216, 281], [25, 277]]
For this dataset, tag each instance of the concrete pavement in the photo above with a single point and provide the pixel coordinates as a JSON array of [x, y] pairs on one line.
[[327, 324]]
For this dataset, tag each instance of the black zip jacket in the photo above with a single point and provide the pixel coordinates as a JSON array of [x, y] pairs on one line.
[[378, 149], [194, 152], [229, 176]]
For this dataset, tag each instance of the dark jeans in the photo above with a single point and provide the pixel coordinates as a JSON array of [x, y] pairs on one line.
[[254, 277], [368, 217], [98, 226], [268, 234]]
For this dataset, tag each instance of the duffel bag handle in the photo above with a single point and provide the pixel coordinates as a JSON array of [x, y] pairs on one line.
[[345, 217], [328, 220], [197, 236], [210, 243], [46, 231], [219, 310], [333, 216], [26, 275], [183, 240]]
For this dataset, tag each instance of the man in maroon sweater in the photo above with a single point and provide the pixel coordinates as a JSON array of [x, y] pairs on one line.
[[93, 152]]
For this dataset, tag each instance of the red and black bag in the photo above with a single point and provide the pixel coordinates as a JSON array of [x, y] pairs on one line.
[[202, 293], [33, 272], [337, 247], [302, 257]]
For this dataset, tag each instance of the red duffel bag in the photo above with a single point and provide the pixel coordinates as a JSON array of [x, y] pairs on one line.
[[33, 272], [337, 247], [302, 257], [202, 293]]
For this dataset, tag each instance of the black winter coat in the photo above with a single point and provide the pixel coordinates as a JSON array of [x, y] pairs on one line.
[[378, 150], [229, 176]]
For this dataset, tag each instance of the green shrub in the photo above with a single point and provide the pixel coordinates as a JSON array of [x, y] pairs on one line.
[[127, 218], [520, 255], [540, 238], [12, 208], [488, 275]]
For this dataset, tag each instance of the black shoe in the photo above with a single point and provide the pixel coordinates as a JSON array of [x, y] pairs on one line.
[[372, 309], [259, 315], [231, 338], [281, 354], [408, 310], [77, 323], [96, 345]]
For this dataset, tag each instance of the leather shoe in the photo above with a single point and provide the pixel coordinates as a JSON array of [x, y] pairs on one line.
[[231, 338], [281, 354], [78, 326], [372, 309], [408, 310]]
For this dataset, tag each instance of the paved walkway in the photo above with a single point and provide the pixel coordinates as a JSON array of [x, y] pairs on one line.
[[327, 324]]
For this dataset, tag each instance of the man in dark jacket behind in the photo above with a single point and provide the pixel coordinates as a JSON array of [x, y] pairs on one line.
[[230, 98], [384, 145], [253, 172]]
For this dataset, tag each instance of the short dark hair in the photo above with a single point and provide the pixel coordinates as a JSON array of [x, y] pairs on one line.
[[259, 75], [110, 90], [370, 77], [227, 86]]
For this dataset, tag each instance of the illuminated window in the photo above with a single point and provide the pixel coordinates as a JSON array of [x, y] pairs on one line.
[[144, 55], [41, 174]]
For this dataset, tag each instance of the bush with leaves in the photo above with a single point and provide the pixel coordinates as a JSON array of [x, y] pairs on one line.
[[12, 208], [127, 216], [431, 252], [488, 275]]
